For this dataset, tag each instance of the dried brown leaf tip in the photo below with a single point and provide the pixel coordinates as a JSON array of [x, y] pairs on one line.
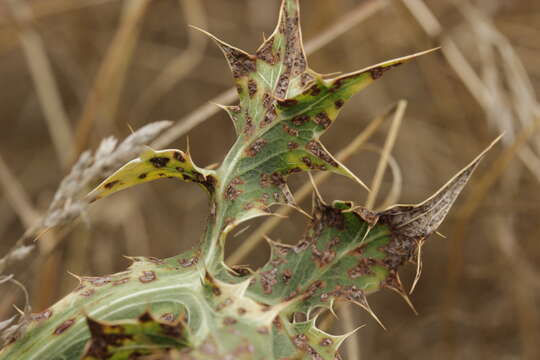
[[417, 222]]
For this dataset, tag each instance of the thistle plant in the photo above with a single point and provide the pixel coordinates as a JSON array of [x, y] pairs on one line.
[[193, 305]]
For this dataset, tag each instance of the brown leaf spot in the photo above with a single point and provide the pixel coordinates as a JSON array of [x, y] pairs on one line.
[[277, 179], [300, 120], [143, 175], [337, 85], [40, 316], [231, 192], [265, 180], [378, 71], [145, 317], [307, 161], [314, 354], [255, 147], [333, 217], [99, 281], [339, 103], [317, 285], [265, 53], [155, 260], [268, 280], [178, 156], [241, 311], [241, 63], [351, 293], [326, 342], [289, 130], [305, 78], [265, 198], [249, 128], [120, 281], [252, 87], [322, 258], [159, 162], [188, 262], [313, 90], [147, 276], [277, 323], [267, 101], [168, 317], [300, 341], [222, 305], [173, 330], [316, 149], [64, 326], [282, 84], [398, 251], [288, 102], [287, 275], [291, 145], [228, 321], [294, 170], [111, 184], [270, 116], [364, 267], [322, 120]]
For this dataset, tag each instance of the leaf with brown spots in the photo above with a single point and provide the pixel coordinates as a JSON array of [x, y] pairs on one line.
[[339, 257], [349, 252], [313, 343], [123, 340], [150, 166], [322, 100]]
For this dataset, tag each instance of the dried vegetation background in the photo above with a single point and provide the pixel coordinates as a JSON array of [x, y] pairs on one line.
[[75, 72]]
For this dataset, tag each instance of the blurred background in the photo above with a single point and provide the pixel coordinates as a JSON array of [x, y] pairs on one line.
[[74, 72]]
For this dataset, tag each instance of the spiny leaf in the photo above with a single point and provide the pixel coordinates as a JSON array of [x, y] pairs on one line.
[[229, 300], [150, 166], [322, 100], [340, 257], [312, 342], [284, 108], [349, 252], [124, 340]]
